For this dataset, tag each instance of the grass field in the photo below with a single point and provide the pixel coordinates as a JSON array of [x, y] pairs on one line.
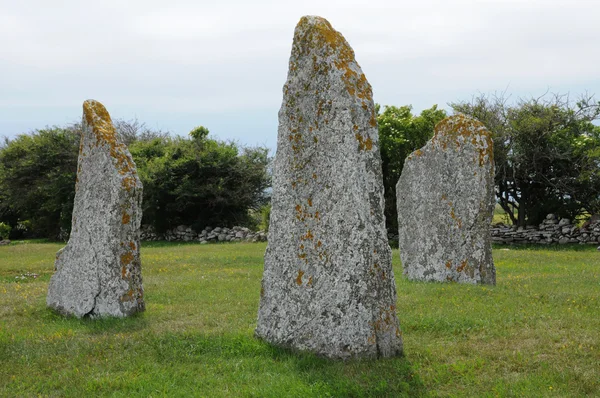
[[537, 333]]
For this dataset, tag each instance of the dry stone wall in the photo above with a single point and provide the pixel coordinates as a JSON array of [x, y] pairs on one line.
[[185, 233], [550, 231]]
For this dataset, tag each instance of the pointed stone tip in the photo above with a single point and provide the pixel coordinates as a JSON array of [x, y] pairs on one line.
[[460, 124], [453, 129], [94, 112], [314, 20], [319, 27]]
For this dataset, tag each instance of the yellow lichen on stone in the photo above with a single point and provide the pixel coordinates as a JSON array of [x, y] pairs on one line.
[[299, 278], [125, 218], [126, 258], [460, 129], [320, 34], [98, 119], [364, 144]]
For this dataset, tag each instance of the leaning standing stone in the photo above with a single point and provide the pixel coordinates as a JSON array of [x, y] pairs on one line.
[[446, 203], [98, 273], [328, 285]]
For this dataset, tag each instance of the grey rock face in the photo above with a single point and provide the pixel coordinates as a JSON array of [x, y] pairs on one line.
[[328, 285], [98, 273], [446, 203]]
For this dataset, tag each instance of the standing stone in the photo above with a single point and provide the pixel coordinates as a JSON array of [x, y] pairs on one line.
[[328, 285], [98, 273], [446, 203]]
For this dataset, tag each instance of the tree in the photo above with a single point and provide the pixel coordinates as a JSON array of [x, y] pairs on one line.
[[546, 154], [200, 181], [37, 179], [401, 133], [193, 180]]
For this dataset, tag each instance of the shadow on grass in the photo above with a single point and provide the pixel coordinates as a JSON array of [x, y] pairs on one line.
[[321, 376], [94, 326]]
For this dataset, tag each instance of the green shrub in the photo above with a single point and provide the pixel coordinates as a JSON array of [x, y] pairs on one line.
[[4, 230]]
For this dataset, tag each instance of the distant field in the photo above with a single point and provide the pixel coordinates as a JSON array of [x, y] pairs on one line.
[[500, 216], [537, 333]]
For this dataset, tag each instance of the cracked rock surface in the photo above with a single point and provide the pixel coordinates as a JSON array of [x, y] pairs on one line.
[[98, 272], [328, 285], [446, 203]]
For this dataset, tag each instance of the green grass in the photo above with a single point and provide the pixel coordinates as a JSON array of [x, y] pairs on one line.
[[537, 333], [500, 216]]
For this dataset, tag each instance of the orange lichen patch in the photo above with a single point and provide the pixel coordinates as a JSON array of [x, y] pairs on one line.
[[319, 244], [299, 278], [310, 281], [462, 266], [317, 215], [123, 272], [355, 128], [127, 296], [308, 236], [132, 245], [310, 202], [126, 218], [128, 183], [302, 255], [320, 34], [372, 339], [448, 264], [419, 152], [363, 145], [373, 120], [126, 258], [460, 128], [97, 118]]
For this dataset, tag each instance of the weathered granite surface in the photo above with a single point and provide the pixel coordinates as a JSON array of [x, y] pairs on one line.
[[328, 285], [98, 273], [445, 205]]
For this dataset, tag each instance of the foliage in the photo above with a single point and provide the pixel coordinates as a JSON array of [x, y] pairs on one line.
[[535, 334], [401, 133], [37, 179], [547, 155], [265, 212], [195, 180], [199, 181], [4, 230], [199, 133]]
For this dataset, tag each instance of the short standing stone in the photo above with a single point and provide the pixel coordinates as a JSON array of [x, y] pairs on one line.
[[445, 205], [98, 273], [328, 285]]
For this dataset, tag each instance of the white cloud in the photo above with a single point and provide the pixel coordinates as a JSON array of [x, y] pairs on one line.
[[183, 58]]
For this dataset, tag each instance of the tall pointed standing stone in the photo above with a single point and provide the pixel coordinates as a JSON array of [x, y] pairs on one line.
[[98, 273], [446, 203], [328, 285]]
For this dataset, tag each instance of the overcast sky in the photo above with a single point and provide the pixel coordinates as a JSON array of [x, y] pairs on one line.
[[222, 63]]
